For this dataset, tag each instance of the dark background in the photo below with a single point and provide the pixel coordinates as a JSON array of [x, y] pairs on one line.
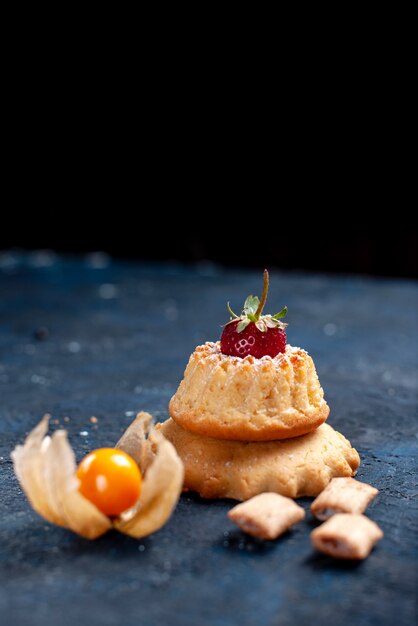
[[326, 241], [163, 163]]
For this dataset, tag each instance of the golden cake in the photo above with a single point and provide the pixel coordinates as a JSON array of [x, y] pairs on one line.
[[249, 399], [302, 466]]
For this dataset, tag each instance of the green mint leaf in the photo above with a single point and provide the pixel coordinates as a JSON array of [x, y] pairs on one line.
[[281, 313], [251, 304], [243, 325]]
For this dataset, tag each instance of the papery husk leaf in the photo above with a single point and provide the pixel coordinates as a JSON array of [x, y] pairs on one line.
[[161, 489], [45, 468], [134, 441], [78, 513], [29, 466]]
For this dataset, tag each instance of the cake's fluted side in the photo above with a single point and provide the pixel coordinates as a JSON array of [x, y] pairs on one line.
[[249, 399]]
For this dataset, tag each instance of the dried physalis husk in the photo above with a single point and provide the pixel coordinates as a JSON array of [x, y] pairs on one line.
[[162, 484], [134, 440], [45, 467]]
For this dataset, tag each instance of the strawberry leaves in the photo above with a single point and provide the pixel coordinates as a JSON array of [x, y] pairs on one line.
[[252, 312], [243, 325], [251, 305], [281, 313]]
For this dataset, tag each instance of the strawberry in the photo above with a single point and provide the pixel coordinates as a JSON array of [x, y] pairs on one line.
[[253, 333], [252, 341]]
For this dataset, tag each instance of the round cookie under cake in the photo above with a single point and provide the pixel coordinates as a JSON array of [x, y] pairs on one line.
[[302, 466]]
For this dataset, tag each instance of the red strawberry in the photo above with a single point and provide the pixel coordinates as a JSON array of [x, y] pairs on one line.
[[252, 341], [253, 333]]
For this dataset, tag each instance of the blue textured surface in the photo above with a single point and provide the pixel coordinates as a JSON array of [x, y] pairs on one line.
[[120, 336]]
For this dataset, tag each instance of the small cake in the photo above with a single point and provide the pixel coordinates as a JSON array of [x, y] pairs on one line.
[[250, 386], [249, 399], [302, 466]]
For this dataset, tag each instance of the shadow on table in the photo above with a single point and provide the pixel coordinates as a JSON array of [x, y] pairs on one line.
[[111, 542], [318, 561], [192, 496], [236, 541]]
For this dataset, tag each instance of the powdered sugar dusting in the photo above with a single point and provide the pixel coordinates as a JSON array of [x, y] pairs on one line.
[[213, 352]]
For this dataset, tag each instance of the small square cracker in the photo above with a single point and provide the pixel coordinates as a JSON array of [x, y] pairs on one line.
[[267, 515], [346, 536], [343, 495]]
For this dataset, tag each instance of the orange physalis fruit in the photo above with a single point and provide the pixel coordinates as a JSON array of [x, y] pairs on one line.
[[110, 479]]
